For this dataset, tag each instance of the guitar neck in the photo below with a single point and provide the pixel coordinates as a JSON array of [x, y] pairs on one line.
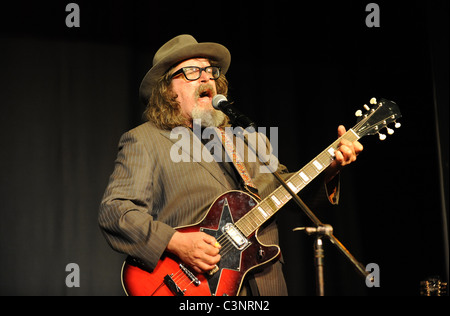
[[251, 221]]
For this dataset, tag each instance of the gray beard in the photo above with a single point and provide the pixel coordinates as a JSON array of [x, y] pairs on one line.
[[208, 118]]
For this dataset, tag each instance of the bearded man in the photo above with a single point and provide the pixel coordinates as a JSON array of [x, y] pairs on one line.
[[149, 194]]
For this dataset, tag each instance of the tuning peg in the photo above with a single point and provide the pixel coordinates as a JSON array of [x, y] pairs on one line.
[[366, 107], [390, 130], [373, 101], [397, 125], [382, 136], [358, 113]]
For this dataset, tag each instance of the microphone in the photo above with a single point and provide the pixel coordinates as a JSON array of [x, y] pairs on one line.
[[221, 103]]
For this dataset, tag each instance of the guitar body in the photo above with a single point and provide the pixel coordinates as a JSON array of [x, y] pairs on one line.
[[170, 279]]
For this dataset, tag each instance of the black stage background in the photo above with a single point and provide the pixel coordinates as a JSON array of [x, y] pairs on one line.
[[67, 94]]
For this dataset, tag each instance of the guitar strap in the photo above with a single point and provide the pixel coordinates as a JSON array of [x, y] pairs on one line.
[[228, 144]]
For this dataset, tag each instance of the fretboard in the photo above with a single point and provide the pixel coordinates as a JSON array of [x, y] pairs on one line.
[[264, 210]]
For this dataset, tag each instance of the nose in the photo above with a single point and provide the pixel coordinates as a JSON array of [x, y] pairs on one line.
[[204, 76]]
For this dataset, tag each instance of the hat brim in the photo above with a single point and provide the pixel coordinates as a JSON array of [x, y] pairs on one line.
[[216, 52]]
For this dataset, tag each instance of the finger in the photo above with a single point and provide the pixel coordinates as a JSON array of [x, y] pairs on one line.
[[338, 156], [197, 269], [347, 151], [355, 146], [207, 267], [211, 260], [358, 147], [210, 247], [210, 240], [341, 130], [210, 250], [344, 156], [202, 267], [207, 263], [202, 262]]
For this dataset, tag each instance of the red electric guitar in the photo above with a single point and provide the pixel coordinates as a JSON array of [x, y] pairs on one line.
[[234, 219]]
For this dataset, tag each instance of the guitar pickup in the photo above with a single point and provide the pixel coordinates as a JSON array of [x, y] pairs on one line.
[[235, 236]]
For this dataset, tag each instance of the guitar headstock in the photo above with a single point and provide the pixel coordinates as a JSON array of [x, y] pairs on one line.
[[377, 116]]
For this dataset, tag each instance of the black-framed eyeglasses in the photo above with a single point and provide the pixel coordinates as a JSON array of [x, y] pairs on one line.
[[192, 73]]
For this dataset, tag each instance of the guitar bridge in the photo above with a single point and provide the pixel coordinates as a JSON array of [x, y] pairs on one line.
[[235, 236], [173, 286]]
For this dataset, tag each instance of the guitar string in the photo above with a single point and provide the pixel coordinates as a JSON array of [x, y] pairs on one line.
[[179, 277], [183, 277]]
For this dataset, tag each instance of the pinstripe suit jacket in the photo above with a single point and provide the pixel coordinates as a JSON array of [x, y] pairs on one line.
[[148, 194]]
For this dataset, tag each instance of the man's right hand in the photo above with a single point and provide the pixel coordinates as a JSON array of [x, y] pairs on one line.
[[198, 250]]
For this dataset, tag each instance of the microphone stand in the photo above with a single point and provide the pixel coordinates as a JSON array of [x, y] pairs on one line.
[[321, 230]]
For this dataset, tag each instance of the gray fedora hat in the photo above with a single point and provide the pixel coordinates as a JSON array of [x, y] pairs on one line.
[[176, 50]]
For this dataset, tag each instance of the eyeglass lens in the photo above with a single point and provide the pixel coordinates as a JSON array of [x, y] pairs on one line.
[[193, 73]]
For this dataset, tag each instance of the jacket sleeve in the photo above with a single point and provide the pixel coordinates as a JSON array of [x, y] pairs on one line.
[[126, 215]]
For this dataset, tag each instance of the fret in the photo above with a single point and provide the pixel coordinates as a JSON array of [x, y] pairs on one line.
[[317, 164], [262, 212], [239, 225], [277, 202], [272, 205], [325, 158], [310, 171], [331, 151], [297, 182], [259, 217], [292, 186], [304, 176], [266, 207], [287, 195], [245, 226], [249, 223], [351, 136], [283, 195], [251, 220], [250, 226], [277, 194]]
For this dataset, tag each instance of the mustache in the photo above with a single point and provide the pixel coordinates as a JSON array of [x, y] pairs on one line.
[[205, 90]]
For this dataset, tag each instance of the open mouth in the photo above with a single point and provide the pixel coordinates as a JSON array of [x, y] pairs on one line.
[[206, 94], [205, 91]]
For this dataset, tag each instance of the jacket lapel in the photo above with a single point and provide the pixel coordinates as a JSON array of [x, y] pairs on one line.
[[192, 147]]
